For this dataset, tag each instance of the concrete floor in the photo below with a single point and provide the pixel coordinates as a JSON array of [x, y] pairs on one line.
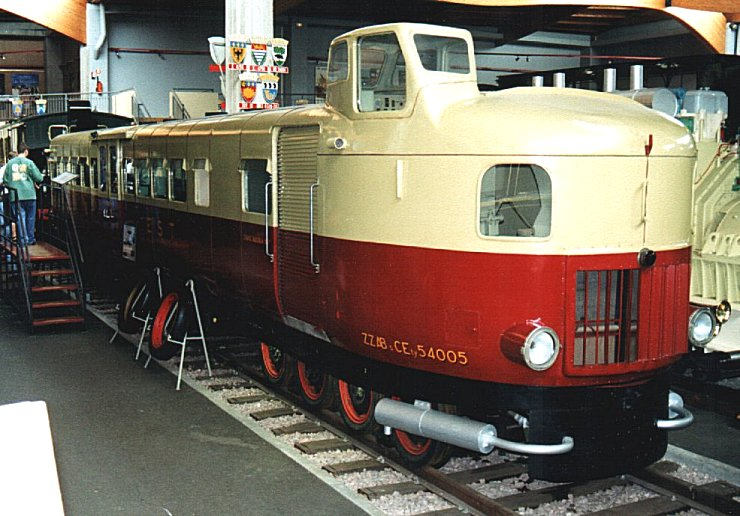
[[127, 443]]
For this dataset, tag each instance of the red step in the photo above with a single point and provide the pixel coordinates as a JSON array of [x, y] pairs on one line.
[[51, 321], [52, 272], [54, 288], [55, 304]]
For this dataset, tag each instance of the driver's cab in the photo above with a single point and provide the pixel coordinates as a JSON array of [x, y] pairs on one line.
[[379, 71]]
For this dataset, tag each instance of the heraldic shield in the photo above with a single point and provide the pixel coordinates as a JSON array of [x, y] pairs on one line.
[[238, 51], [279, 50], [249, 90]]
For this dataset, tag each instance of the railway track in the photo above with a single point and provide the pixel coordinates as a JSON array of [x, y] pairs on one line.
[[363, 470]]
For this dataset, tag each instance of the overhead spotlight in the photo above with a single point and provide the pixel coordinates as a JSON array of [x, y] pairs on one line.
[[2, 57], [118, 54], [298, 25]]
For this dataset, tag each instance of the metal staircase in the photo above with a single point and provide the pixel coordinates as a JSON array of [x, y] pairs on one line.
[[42, 282]]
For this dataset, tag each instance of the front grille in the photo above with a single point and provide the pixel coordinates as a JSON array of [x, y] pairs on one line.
[[607, 308]]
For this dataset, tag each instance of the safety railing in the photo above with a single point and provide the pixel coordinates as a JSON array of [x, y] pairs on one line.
[[15, 264]]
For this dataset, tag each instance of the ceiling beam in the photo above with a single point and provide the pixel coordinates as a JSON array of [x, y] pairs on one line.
[[709, 26], [64, 16]]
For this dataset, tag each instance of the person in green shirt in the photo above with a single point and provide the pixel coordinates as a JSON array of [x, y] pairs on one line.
[[21, 173]]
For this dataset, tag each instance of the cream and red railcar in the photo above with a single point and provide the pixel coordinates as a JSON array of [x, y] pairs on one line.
[[512, 256]]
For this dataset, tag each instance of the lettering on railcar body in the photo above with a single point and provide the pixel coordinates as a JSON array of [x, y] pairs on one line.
[[415, 351]]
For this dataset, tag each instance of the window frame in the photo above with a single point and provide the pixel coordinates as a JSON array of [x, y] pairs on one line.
[[545, 198], [199, 174]]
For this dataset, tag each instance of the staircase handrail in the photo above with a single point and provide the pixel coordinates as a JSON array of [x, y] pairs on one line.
[[17, 247]]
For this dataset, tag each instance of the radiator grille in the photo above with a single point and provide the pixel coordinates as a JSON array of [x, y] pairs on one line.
[[607, 308]]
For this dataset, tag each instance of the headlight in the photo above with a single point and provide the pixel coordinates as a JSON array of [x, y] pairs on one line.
[[537, 347], [702, 327]]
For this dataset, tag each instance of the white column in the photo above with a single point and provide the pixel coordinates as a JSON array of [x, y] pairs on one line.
[[251, 18], [94, 55]]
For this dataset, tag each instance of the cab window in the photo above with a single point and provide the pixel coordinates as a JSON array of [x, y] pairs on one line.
[[442, 54], [254, 178], [143, 177], [382, 74], [338, 63], [515, 201], [159, 179]]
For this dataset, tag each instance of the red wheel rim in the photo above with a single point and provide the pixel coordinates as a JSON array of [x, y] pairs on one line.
[[169, 305], [271, 368], [412, 447], [309, 388], [349, 406]]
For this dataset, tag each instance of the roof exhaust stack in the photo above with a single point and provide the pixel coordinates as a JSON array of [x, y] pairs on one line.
[[558, 80], [610, 80], [636, 77]]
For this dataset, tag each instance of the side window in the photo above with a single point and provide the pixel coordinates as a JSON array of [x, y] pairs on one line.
[[94, 172], [338, 63], [178, 182], [515, 201], [113, 170], [52, 168], [74, 167], [382, 81], [130, 176], [159, 178], [202, 183], [143, 178], [254, 178], [102, 181], [84, 170]]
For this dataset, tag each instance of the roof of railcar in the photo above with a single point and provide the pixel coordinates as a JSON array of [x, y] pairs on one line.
[[250, 120]]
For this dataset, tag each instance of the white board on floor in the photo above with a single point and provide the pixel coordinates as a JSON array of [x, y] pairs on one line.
[[29, 484]]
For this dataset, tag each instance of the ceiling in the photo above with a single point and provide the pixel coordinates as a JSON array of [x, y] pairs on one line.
[[512, 22]]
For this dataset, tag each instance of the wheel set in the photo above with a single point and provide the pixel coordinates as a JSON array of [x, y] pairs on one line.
[[355, 404]]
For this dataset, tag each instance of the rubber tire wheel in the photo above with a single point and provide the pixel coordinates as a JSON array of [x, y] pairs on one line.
[[170, 314], [277, 366], [421, 451], [131, 303], [356, 406], [315, 386]]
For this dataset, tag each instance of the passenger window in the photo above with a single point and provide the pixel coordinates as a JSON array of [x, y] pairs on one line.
[[178, 183], [442, 54], [382, 82], [103, 180], [515, 201], [338, 63], [84, 170], [113, 170], [74, 167], [202, 183], [144, 178], [94, 172], [130, 175], [254, 178], [52, 168], [159, 178]]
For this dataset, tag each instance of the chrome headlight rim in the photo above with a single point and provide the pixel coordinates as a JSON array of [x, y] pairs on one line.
[[531, 341], [696, 317]]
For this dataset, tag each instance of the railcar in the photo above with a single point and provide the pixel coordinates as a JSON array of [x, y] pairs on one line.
[[475, 260]]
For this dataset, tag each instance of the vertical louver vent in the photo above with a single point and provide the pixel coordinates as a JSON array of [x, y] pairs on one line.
[[607, 308]]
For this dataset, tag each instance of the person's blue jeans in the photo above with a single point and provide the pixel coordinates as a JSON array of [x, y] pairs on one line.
[[27, 220]]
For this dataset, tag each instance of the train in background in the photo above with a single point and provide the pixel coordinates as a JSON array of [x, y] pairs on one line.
[[446, 262], [36, 131]]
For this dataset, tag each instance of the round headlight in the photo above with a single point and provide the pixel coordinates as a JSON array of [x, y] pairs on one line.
[[541, 348], [701, 327]]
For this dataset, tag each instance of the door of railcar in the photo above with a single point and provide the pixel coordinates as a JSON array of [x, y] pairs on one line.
[[299, 206]]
